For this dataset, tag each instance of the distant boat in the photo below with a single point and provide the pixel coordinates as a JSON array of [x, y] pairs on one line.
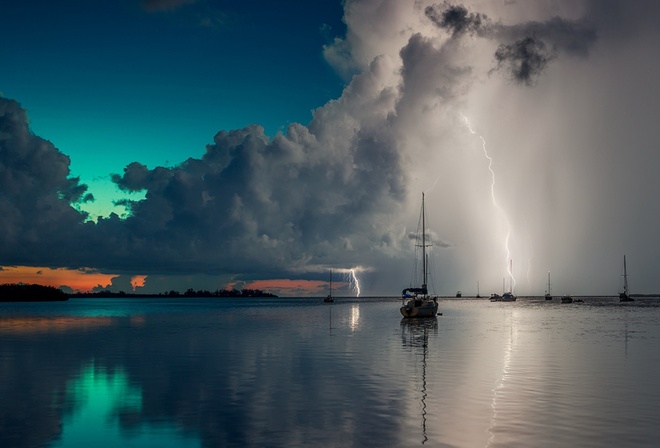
[[495, 298], [459, 294], [548, 296], [567, 299], [419, 302], [625, 295], [329, 298], [508, 296]]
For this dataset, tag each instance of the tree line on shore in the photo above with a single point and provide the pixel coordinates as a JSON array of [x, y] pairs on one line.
[[21, 292], [188, 293]]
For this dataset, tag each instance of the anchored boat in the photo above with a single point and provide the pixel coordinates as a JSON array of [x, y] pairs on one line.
[[625, 295], [419, 302], [548, 296], [329, 298]]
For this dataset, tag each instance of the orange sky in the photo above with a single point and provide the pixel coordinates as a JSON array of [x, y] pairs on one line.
[[85, 280], [290, 288], [78, 280]]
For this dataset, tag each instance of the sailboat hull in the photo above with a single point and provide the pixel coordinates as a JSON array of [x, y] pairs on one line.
[[624, 297], [419, 308]]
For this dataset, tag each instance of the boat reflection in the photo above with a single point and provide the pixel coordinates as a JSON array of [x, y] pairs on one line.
[[415, 337]]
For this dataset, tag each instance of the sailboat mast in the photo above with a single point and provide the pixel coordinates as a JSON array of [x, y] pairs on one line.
[[625, 276], [423, 242], [548, 282]]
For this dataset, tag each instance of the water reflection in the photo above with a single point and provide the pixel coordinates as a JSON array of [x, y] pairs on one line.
[[34, 325], [415, 336], [298, 373], [508, 350], [104, 408], [232, 377], [355, 317]]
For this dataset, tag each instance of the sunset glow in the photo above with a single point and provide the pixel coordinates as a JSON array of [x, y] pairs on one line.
[[291, 288], [77, 279]]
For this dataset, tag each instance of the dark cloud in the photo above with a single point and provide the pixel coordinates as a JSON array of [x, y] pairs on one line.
[[525, 49], [574, 37], [250, 204], [35, 193], [456, 19], [253, 203], [523, 60]]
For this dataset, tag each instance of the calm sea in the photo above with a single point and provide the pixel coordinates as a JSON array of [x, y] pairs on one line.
[[301, 373]]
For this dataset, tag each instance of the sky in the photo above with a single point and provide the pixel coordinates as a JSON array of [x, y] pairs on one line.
[[155, 145]]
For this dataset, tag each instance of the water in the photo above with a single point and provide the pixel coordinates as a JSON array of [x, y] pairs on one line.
[[298, 372]]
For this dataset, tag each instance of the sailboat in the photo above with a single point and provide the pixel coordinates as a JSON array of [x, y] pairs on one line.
[[548, 296], [420, 303], [625, 295], [329, 298], [508, 296]]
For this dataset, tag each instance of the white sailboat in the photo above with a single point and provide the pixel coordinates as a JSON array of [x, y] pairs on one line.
[[508, 296], [419, 302], [625, 295], [329, 297], [548, 296]]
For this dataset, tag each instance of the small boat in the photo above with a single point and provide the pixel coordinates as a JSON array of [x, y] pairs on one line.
[[495, 298], [567, 299], [329, 298], [459, 294], [625, 295], [419, 302], [508, 296], [548, 296]]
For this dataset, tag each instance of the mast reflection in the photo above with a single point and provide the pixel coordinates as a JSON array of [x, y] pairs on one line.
[[415, 337]]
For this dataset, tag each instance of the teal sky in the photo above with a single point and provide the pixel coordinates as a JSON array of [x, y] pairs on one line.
[[110, 83]]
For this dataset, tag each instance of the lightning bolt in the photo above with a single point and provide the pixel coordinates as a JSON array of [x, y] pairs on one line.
[[434, 184], [356, 282], [495, 203], [350, 276]]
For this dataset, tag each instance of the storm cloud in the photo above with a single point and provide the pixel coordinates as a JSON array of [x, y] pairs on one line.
[[525, 49], [37, 195], [523, 60], [456, 19]]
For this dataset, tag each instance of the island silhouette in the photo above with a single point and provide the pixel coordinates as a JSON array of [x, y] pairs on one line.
[[21, 292]]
